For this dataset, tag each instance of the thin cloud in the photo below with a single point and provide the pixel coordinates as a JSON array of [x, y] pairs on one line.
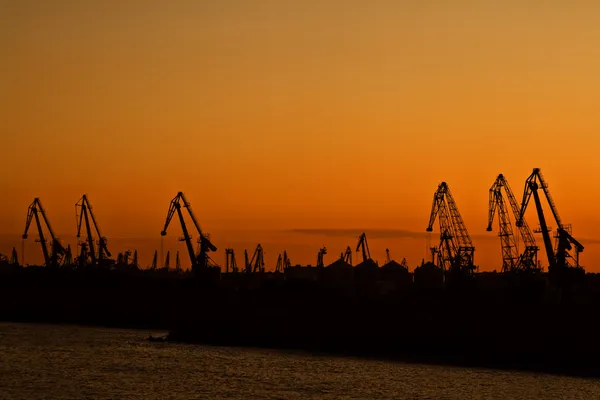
[[371, 233], [403, 234], [585, 241]]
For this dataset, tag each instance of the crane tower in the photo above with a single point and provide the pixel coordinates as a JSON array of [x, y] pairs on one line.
[[559, 259], [512, 261], [201, 260], [456, 251]]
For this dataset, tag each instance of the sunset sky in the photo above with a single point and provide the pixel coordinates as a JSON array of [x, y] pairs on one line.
[[279, 115]]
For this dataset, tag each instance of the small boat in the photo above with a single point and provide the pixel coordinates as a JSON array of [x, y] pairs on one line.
[[156, 338]]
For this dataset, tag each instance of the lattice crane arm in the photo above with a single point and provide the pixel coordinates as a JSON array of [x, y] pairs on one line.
[[544, 187], [524, 228], [493, 203], [101, 239], [458, 224], [435, 208], [32, 212], [204, 240], [172, 209]]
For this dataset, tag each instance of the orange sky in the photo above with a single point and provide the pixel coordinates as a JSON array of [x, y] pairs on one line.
[[278, 115]]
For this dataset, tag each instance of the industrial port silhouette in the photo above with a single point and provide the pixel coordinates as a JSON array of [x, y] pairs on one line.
[[445, 310]]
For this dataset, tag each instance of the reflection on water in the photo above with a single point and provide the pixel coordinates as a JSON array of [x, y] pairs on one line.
[[67, 362]]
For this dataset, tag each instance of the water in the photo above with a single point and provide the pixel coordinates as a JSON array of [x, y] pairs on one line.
[[70, 362]]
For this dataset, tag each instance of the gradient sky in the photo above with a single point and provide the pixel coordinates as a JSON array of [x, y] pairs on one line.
[[280, 115]]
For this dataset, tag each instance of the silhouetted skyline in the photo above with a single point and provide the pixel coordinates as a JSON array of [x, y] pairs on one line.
[[285, 115]]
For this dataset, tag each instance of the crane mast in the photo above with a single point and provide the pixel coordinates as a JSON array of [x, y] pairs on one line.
[[557, 259], [200, 260], [364, 246], [456, 251], [52, 256]]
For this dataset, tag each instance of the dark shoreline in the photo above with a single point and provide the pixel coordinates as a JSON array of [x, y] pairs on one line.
[[482, 325]]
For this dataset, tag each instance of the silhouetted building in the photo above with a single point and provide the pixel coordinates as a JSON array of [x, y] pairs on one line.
[[429, 275]]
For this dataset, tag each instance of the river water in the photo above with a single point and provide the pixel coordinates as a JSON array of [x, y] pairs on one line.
[[71, 362]]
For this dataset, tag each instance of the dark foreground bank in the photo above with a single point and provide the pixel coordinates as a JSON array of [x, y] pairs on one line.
[[475, 325]]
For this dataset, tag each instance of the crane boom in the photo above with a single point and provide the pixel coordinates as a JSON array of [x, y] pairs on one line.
[[524, 229]]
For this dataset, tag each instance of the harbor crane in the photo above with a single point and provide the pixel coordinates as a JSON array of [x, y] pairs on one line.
[[14, 258], [558, 259], [201, 260], [177, 262], [347, 255], [154, 261], [257, 263], [53, 256], [364, 246], [167, 264], [456, 251], [320, 254], [387, 256], [83, 214], [230, 263], [404, 263], [512, 261], [283, 262]]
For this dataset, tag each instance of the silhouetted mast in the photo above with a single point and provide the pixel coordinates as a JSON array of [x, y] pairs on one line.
[[168, 260], [154, 261]]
